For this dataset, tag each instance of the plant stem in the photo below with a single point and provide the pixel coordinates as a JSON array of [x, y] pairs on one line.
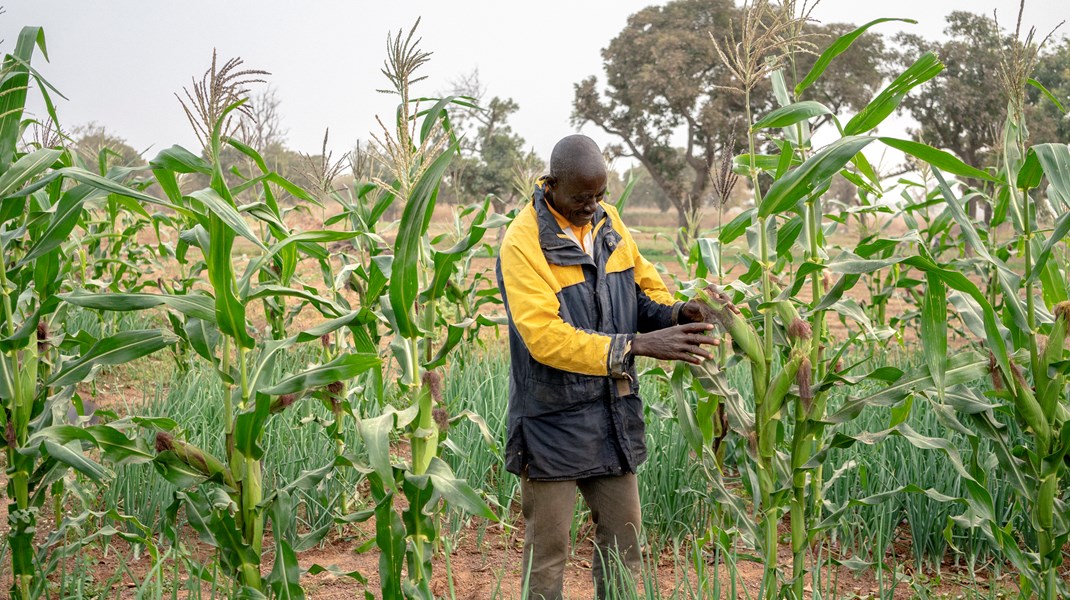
[[766, 472], [252, 485]]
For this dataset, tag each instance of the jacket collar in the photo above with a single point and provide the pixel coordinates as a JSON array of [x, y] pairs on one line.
[[557, 246]]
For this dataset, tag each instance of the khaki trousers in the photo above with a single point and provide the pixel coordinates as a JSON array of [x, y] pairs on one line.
[[548, 508]]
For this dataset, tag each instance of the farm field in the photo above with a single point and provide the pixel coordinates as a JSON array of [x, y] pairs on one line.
[[218, 380]]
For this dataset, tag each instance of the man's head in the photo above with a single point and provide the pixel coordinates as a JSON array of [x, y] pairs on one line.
[[577, 179]]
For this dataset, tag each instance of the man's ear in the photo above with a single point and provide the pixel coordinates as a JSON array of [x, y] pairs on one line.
[[551, 181]]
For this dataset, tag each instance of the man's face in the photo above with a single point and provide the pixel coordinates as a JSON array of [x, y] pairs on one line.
[[577, 197]]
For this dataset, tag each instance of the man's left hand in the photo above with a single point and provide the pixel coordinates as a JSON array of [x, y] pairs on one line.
[[700, 312]]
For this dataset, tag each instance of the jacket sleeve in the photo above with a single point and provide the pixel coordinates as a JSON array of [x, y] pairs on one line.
[[534, 310], [657, 308]]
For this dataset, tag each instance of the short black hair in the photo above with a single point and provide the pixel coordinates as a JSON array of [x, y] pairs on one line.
[[574, 155]]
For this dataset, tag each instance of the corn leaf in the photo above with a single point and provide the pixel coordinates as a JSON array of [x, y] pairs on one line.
[[196, 306], [404, 284], [837, 48], [75, 459], [229, 309], [118, 349], [342, 368], [1047, 94], [791, 114], [376, 432], [26, 168], [456, 491], [446, 260], [16, 69], [925, 68], [114, 444], [66, 215], [179, 160], [285, 576], [938, 158], [227, 214], [934, 331], [318, 236], [811, 175], [622, 202]]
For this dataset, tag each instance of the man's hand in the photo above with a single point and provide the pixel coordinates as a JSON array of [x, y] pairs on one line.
[[700, 312], [683, 342]]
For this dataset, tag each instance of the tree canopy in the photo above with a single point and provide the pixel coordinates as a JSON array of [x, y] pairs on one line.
[[962, 109], [493, 157], [665, 92]]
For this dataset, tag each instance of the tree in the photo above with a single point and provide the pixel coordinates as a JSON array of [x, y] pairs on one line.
[[646, 192], [850, 81], [491, 152], [666, 96], [92, 139], [961, 109], [662, 76], [1046, 121]]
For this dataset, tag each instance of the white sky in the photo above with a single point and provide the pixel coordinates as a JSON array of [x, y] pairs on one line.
[[119, 62]]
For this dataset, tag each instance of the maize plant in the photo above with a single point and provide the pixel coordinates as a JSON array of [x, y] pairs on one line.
[[1020, 320], [215, 324], [419, 277], [46, 198], [793, 360], [1017, 318]]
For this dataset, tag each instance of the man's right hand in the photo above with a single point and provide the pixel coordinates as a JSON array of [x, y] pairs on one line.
[[682, 342]]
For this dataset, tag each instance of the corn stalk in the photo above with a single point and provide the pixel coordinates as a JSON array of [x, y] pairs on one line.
[[45, 199], [791, 403]]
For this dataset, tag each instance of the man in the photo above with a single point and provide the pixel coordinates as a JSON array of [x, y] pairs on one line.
[[582, 303]]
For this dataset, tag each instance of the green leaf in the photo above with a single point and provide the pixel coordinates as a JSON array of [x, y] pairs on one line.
[[65, 216], [1047, 94], [925, 68], [227, 214], [229, 309], [114, 444], [404, 285], [736, 227], [1054, 160], [622, 202], [837, 48], [180, 160], [376, 431], [937, 158], [305, 236], [456, 491], [446, 260], [120, 348], [112, 187], [811, 175], [192, 305], [961, 368], [173, 469], [73, 458], [13, 89], [342, 368], [685, 416], [285, 576], [934, 330], [791, 114], [26, 168]]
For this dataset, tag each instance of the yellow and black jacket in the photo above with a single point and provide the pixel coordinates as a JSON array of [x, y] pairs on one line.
[[574, 409]]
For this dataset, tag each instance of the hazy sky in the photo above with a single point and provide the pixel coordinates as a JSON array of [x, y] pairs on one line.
[[119, 62]]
